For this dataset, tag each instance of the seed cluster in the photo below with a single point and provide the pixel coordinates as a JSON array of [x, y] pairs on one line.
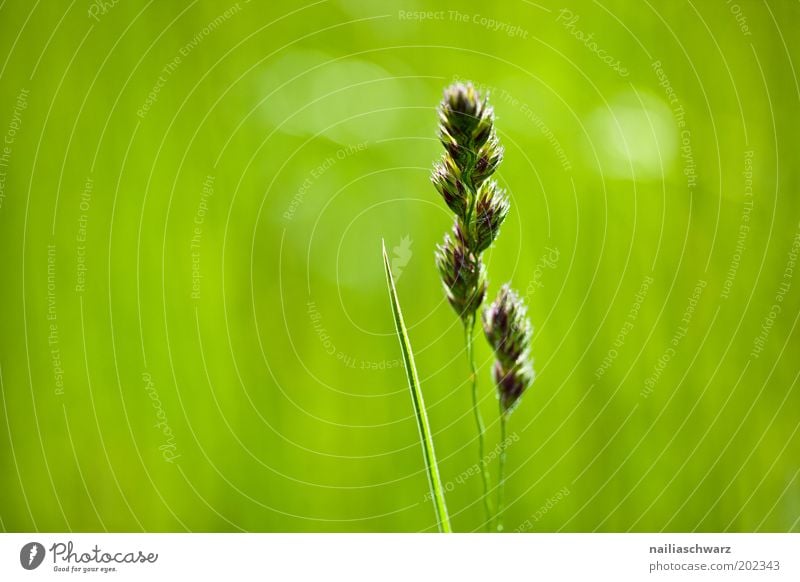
[[472, 154], [508, 331], [462, 178]]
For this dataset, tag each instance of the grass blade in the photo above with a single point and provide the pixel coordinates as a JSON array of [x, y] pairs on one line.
[[435, 482]]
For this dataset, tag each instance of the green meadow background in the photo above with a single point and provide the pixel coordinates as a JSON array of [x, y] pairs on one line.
[[195, 331]]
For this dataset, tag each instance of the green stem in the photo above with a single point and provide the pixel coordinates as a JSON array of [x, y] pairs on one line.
[[469, 331], [501, 478], [426, 437]]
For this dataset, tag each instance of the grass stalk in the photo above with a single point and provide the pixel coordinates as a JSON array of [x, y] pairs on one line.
[[469, 332], [501, 477], [426, 438]]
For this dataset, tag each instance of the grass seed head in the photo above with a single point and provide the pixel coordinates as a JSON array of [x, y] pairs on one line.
[[447, 180], [489, 157], [462, 272], [491, 210], [506, 326], [511, 383], [466, 130], [472, 155]]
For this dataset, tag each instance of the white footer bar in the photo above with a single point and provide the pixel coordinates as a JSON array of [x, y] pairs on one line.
[[407, 557]]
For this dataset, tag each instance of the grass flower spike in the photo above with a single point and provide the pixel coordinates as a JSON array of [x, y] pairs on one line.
[[509, 333], [491, 210], [446, 179], [472, 154], [506, 326], [466, 130], [462, 272]]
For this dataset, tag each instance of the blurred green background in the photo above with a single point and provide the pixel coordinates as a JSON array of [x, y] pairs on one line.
[[196, 333]]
